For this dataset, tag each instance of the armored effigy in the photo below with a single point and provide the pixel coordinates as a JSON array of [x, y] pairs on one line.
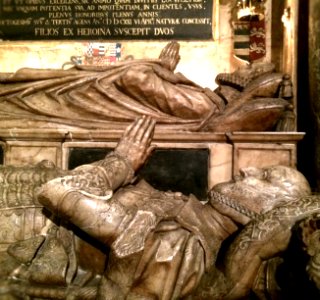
[[110, 237], [111, 97]]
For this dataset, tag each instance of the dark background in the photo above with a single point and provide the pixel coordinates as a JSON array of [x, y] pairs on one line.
[[181, 170]]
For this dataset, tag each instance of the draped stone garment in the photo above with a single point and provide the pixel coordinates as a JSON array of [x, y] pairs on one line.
[[98, 98], [111, 97]]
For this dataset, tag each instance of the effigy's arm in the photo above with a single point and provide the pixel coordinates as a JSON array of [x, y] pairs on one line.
[[29, 74], [85, 198], [262, 239]]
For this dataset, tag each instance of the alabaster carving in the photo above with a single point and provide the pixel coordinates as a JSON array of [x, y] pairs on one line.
[[106, 236], [254, 98]]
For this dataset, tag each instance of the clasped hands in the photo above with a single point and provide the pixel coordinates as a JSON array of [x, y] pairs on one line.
[[135, 143]]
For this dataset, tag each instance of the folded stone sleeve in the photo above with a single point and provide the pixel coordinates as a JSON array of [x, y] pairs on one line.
[[85, 197]]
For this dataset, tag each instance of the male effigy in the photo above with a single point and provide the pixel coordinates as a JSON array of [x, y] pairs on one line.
[[254, 98], [163, 245]]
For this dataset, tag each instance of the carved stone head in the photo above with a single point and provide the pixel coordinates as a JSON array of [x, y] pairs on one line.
[[261, 189]]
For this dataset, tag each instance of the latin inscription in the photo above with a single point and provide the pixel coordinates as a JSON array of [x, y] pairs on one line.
[[106, 19]]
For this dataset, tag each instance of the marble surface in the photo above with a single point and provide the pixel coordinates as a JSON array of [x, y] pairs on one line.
[[227, 152]]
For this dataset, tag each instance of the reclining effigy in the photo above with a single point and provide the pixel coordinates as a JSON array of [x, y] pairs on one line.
[[111, 97], [159, 244]]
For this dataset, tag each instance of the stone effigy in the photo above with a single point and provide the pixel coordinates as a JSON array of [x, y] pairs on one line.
[[163, 245], [111, 97]]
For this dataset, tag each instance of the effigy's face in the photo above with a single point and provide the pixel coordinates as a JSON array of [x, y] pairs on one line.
[[261, 189]]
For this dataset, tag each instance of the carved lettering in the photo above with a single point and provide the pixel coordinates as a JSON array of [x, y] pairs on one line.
[[84, 22], [60, 15], [148, 14], [48, 8], [91, 15], [27, 9], [168, 21], [101, 1], [60, 2], [113, 19], [164, 31], [145, 1], [122, 1], [132, 31], [68, 31], [123, 14], [194, 6], [196, 21], [147, 21], [122, 21], [87, 31], [59, 22], [29, 2], [169, 6], [79, 7], [16, 22], [41, 31]]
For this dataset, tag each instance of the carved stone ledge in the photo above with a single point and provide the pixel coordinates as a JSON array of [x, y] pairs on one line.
[[268, 137], [228, 152], [114, 135]]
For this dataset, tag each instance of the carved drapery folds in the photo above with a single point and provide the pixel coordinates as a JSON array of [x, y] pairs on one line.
[[249, 99]]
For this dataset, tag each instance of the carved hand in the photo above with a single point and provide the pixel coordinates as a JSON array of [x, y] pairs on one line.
[[135, 144], [170, 55]]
